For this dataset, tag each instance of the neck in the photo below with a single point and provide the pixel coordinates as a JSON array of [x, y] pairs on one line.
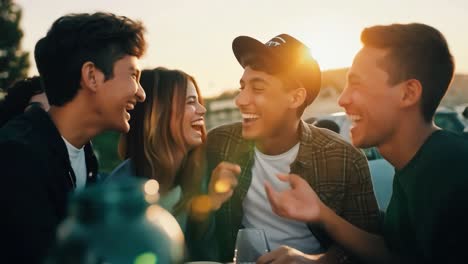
[[406, 142], [281, 140], [74, 123]]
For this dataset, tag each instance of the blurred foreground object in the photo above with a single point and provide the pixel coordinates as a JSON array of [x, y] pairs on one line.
[[117, 223]]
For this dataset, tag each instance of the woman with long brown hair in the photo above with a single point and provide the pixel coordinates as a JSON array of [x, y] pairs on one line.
[[164, 142]]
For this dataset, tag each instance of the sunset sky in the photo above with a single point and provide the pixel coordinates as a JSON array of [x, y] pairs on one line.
[[196, 35]]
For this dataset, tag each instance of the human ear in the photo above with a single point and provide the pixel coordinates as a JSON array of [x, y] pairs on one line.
[[297, 97], [90, 76], [411, 92]]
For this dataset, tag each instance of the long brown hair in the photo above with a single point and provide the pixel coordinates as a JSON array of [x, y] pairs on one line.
[[150, 143]]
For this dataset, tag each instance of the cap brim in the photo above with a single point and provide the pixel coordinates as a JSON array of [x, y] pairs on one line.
[[243, 46]]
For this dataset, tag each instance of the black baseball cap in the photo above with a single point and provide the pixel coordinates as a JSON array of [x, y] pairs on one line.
[[282, 54]]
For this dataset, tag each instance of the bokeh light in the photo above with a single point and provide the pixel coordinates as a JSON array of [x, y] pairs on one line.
[[201, 207], [161, 217], [151, 187], [146, 258], [222, 186]]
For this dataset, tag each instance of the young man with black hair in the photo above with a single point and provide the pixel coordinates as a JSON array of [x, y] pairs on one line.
[[89, 66], [280, 80], [393, 89]]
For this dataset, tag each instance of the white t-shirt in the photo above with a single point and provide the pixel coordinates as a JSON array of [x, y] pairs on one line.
[[78, 163], [257, 208]]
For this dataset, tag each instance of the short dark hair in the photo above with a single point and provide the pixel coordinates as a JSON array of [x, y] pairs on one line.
[[416, 51], [101, 38], [18, 97]]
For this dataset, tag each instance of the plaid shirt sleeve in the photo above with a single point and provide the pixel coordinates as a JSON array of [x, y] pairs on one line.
[[339, 173], [359, 203]]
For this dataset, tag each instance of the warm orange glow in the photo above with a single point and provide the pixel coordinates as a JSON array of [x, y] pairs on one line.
[[151, 187], [329, 49], [222, 186], [201, 207]]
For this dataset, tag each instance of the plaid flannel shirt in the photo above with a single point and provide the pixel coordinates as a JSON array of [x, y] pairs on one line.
[[337, 171]]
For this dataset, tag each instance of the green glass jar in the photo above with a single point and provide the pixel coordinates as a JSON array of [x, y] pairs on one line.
[[118, 222]]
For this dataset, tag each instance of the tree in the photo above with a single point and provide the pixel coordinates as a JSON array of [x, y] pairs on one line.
[[14, 62]]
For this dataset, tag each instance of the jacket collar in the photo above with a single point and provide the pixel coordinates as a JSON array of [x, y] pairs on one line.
[[306, 145], [42, 121]]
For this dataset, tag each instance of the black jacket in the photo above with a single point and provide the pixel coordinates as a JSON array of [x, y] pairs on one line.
[[36, 180]]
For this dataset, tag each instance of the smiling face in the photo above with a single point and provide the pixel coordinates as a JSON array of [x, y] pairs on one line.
[[370, 101], [118, 95], [190, 131], [264, 104]]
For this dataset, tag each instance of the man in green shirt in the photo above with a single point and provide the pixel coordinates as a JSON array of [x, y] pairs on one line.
[[393, 88]]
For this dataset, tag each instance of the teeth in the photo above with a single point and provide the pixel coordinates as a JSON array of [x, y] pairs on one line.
[[354, 118], [198, 123], [130, 106], [250, 116]]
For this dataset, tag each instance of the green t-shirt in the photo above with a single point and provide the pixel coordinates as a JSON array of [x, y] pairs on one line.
[[426, 220]]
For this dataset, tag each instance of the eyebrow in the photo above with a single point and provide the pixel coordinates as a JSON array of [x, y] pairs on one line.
[[191, 97], [254, 80]]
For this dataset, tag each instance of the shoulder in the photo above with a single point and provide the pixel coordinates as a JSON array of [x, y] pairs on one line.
[[445, 148], [450, 142], [225, 133], [444, 159], [227, 130], [20, 160], [324, 140], [29, 128], [17, 130], [18, 140], [226, 143]]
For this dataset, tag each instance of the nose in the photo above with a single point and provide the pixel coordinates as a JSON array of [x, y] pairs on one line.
[[140, 94], [344, 98], [201, 110], [242, 98]]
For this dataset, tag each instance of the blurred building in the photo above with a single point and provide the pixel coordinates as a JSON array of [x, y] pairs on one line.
[[458, 91], [221, 111]]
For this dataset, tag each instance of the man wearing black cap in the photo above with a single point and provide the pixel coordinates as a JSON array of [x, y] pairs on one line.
[[280, 80]]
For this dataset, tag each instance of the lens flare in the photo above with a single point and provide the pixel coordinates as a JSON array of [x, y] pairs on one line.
[[222, 186], [201, 207], [151, 187]]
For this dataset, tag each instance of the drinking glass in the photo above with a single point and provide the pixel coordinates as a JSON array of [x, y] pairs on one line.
[[251, 243]]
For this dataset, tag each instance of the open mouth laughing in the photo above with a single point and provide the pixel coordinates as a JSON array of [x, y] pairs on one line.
[[198, 125], [249, 118]]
